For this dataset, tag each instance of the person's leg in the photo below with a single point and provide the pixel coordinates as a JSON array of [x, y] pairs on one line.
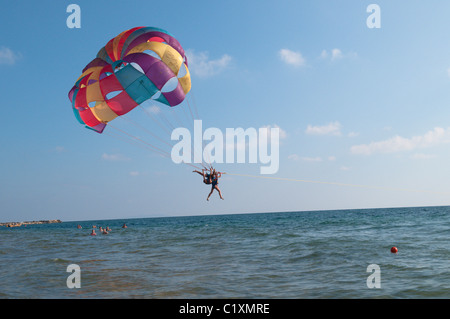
[[220, 193], [212, 190]]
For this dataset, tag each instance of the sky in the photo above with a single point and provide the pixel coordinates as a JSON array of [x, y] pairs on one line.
[[363, 113]]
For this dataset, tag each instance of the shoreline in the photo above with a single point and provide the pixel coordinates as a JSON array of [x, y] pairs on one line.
[[18, 224]]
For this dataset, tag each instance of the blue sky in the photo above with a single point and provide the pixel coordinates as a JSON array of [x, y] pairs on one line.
[[354, 105]]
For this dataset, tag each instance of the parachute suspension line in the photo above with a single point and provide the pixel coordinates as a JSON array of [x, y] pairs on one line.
[[192, 119], [194, 166], [195, 104], [159, 123], [156, 149], [147, 131], [133, 142], [124, 139], [169, 124], [162, 115], [342, 184], [180, 123], [188, 119], [190, 110], [146, 145], [208, 159], [206, 164], [150, 115], [143, 128]]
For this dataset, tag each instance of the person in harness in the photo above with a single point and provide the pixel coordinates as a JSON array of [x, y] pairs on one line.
[[211, 178]]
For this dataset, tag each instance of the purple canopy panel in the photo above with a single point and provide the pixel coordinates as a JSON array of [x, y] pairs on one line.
[[98, 128], [176, 96], [159, 74], [144, 60]]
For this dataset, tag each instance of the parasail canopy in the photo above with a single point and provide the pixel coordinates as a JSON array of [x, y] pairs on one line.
[[131, 68]]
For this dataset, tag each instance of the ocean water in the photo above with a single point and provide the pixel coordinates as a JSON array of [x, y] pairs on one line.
[[289, 255]]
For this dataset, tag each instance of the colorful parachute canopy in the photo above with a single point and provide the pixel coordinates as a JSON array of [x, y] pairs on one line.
[[122, 76]]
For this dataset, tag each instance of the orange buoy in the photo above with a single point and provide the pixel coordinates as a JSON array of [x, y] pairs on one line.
[[394, 250]]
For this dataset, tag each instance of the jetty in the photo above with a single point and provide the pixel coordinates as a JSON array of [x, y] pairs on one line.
[[18, 224]]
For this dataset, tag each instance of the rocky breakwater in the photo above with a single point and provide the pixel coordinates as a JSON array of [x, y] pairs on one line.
[[18, 224]]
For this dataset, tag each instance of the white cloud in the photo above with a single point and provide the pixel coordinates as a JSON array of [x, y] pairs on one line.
[[345, 168], [336, 54], [352, 134], [114, 157], [134, 173], [201, 65], [333, 128], [292, 57], [7, 56], [398, 144]]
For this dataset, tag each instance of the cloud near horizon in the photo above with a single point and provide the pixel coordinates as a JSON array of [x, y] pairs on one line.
[[333, 128], [398, 143]]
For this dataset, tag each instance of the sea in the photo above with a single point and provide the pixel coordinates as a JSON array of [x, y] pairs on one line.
[[334, 254]]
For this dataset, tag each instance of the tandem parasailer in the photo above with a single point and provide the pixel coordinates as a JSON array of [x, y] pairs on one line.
[[211, 178], [134, 67]]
